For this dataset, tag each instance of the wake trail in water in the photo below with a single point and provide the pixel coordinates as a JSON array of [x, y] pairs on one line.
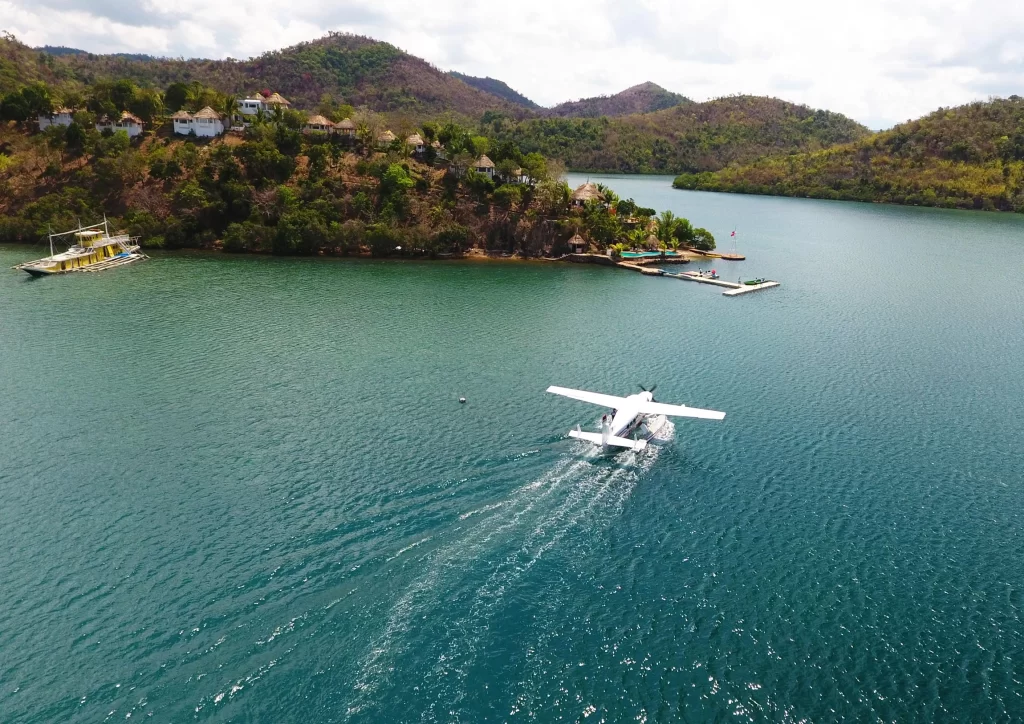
[[582, 490]]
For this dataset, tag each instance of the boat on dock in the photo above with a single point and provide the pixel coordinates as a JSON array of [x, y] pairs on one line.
[[93, 249]]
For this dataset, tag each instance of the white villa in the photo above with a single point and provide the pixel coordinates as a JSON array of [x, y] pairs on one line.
[[128, 122], [254, 104], [60, 117], [206, 123]]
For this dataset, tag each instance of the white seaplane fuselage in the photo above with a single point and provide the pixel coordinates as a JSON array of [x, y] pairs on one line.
[[628, 414]]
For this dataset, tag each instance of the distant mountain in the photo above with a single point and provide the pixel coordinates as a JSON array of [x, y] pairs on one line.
[[496, 88], [59, 50], [643, 98], [971, 157], [690, 137]]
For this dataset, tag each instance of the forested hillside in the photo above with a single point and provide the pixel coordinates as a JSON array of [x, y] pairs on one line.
[[643, 98], [690, 137], [966, 157], [357, 70]]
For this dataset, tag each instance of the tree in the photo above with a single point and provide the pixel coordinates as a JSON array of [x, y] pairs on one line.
[[703, 240], [666, 227], [175, 97], [508, 196], [147, 105]]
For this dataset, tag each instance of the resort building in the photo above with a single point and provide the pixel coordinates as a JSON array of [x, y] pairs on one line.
[[586, 192], [60, 117], [415, 142], [206, 123], [439, 149], [127, 122], [346, 128], [577, 244], [252, 105], [485, 166], [318, 124], [385, 139]]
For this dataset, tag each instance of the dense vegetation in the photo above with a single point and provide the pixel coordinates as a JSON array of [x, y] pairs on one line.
[[691, 137], [275, 189], [968, 157], [643, 98], [496, 88]]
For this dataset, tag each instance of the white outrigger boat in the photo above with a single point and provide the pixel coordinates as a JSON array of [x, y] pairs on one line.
[[94, 249]]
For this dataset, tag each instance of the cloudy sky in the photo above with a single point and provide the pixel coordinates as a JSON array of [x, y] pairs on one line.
[[879, 61]]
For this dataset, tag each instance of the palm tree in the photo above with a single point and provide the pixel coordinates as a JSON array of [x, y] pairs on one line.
[[666, 226], [230, 106]]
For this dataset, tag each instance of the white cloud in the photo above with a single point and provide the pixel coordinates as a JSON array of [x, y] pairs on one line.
[[879, 61]]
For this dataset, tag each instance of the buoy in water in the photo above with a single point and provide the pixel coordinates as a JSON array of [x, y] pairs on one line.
[[462, 399]]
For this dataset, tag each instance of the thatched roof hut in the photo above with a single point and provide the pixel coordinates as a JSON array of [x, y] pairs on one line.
[[415, 140], [276, 99], [318, 124], [207, 112], [577, 244], [181, 115], [386, 137], [587, 192]]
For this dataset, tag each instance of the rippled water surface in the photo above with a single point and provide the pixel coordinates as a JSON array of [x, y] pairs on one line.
[[244, 489]]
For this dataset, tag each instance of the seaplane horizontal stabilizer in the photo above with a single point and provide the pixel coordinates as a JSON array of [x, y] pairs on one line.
[[597, 439]]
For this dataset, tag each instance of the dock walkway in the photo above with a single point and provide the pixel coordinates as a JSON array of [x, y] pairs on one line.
[[732, 289]]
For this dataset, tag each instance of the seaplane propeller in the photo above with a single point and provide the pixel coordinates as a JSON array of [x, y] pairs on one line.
[[651, 390]]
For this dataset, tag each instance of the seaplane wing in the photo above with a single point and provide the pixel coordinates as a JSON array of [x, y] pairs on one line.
[[595, 398], [660, 408], [597, 439]]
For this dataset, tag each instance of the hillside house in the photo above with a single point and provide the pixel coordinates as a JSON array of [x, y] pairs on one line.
[[587, 192], [207, 123], [385, 139], [181, 122], [485, 166], [252, 105], [439, 149], [318, 124], [127, 122], [415, 142], [60, 117], [577, 244], [346, 128]]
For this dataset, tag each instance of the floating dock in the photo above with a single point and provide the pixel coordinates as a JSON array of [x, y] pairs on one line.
[[732, 289]]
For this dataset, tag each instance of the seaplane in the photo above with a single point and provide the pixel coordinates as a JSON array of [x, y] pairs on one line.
[[630, 415]]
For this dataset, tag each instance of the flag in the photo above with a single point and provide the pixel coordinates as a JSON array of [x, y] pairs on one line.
[[733, 233]]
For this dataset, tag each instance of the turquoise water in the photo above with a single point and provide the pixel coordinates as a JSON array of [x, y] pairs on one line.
[[243, 489]]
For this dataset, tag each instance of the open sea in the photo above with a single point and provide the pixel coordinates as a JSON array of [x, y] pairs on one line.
[[243, 488]]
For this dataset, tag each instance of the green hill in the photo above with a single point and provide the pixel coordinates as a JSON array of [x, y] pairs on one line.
[[496, 88], [354, 69], [690, 137], [643, 98], [966, 157]]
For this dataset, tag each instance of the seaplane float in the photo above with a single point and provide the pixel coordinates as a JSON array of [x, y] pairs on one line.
[[630, 416]]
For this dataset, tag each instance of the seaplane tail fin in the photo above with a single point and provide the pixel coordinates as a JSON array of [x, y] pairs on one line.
[[660, 408], [595, 398], [598, 439]]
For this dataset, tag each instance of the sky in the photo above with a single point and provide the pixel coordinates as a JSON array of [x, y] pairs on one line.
[[880, 62]]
